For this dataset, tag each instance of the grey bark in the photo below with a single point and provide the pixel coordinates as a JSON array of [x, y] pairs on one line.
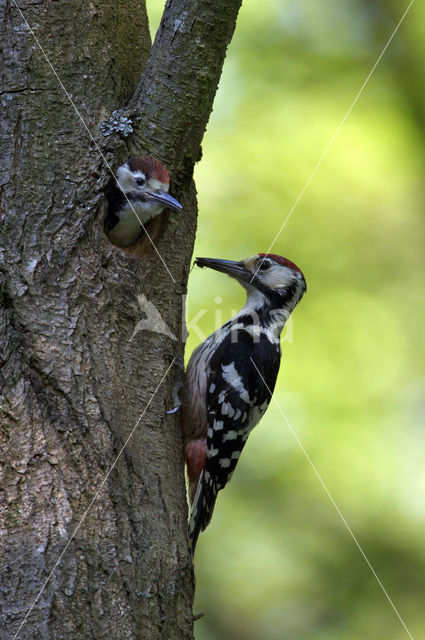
[[74, 377]]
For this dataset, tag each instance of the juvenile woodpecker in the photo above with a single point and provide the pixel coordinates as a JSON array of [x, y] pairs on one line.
[[139, 192], [231, 376]]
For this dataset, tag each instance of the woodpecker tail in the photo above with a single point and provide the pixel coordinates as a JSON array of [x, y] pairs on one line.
[[202, 508]]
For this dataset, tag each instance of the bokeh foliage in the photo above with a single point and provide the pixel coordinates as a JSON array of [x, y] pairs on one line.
[[277, 562]]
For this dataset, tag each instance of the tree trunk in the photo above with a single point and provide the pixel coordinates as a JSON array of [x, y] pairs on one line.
[[92, 495]]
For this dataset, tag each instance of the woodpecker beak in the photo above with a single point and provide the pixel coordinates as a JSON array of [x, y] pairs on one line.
[[164, 198], [233, 269]]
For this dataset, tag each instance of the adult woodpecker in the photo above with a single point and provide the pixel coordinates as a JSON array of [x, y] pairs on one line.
[[139, 192], [230, 377]]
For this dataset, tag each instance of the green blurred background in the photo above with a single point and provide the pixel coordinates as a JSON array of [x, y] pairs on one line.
[[277, 562]]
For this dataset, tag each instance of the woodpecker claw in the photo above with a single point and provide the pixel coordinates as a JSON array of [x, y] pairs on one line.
[[176, 398], [174, 409]]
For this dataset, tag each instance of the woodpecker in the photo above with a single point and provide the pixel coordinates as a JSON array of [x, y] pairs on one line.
[[230, 377], [139, 192]]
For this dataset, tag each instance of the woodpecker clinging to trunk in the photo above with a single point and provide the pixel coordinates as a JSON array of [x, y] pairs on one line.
[[231, 375], [139, 192]]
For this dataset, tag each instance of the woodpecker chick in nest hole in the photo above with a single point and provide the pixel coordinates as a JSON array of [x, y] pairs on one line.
[[230, 377], [138, 194]]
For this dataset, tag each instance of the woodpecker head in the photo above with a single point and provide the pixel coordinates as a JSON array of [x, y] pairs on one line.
[[268, 279], [139, 192]]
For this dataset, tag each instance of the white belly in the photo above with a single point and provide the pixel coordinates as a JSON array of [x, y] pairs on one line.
[[129, 226]]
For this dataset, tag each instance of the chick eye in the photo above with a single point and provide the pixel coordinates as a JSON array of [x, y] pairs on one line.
[[140, 182], [264, 266]]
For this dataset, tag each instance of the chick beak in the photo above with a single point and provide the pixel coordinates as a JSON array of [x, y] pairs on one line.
[[234, 269], [164, 198]]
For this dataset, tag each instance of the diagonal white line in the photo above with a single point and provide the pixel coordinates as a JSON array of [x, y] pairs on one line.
[[338, 510], [89, 132], [332, 140], [92, 501]]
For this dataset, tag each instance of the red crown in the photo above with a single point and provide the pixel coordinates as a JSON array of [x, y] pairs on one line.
[[283, 261], [151, 168]]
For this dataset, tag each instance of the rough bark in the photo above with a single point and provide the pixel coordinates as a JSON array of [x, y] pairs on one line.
[[74, 377]]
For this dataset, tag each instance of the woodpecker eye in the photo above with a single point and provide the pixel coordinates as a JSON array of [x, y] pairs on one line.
[[264, 265], [140, 182]]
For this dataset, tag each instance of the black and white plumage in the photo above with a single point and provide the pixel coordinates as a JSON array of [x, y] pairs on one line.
[[138, 194], [231, 375]]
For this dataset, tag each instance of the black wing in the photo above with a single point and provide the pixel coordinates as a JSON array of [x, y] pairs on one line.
[[237, 397]]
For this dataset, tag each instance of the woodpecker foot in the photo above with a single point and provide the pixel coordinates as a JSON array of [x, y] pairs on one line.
[[176, 398]]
